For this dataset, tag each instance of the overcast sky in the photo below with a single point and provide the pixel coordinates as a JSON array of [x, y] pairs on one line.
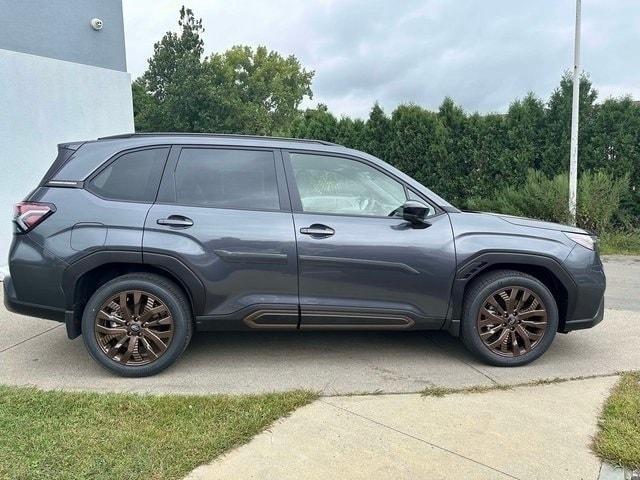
[[482, 53]]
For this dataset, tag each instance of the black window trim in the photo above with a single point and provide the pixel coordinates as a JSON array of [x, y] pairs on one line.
[[86, 184], [296, 202], [167, 191]]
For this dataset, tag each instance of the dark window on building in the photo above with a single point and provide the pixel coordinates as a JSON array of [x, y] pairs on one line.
[[134, 176], [222, 178]]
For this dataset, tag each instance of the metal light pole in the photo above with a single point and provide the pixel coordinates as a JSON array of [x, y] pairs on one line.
[[573, 157]]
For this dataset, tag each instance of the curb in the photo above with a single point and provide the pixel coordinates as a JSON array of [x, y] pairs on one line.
[[609, 472]]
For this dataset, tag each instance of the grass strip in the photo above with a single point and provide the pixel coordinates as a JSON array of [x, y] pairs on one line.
[[67, 435], [442, 391], [620, 243], [618, 440]]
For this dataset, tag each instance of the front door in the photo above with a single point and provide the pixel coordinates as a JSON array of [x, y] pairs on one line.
[[224, 213], [360, 264]]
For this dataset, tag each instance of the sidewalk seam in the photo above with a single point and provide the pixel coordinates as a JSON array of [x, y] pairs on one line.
[[495, 382], [433, 445], [27, 339]]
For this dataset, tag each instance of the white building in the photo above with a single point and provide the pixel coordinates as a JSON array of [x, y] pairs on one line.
[[62, 78]]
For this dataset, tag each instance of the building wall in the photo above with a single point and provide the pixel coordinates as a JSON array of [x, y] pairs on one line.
[[53, 90], [62, 29]]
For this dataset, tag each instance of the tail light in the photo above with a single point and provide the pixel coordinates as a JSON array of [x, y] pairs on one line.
[[28, 215]]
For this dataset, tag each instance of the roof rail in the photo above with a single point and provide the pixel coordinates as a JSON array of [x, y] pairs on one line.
[[217, 135]]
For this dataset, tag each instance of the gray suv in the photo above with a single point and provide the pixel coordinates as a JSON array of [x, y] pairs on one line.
[[137, 240]]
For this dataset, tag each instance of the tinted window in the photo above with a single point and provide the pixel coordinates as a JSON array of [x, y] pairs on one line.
[[343, 186], [134, 176], [227, 179]]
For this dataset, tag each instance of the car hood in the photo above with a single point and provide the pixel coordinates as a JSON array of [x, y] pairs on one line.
[[530, 222]]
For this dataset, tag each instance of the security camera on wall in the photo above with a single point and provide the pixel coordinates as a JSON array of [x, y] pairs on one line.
[[96, 24]]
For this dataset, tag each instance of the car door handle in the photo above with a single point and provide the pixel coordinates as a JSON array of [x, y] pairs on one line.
[[317, 230], [176, 221]]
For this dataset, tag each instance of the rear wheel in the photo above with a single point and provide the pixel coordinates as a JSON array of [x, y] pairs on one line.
[[137, 324], [509, 318]]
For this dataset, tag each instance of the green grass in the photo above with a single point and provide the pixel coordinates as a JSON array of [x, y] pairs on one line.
[[442, 391], [620, 243], [62, 435], [618, 441]]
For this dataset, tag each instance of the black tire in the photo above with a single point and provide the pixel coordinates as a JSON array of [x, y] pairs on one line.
[[478, 293], [168, 293]]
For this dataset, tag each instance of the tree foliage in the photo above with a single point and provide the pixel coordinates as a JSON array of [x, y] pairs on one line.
[[461, 156], [242, 90]]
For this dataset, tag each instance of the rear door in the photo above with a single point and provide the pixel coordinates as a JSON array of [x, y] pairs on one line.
[[224, 213], [361, 265]]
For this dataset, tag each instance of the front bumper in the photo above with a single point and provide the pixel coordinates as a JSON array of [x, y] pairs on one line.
[[582, 323], [586, 304]]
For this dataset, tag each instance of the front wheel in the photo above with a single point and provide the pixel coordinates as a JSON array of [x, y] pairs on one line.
[[137, 324], [509, 318]]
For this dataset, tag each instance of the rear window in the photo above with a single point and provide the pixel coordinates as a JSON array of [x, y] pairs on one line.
[[133, 176], [226, 178]]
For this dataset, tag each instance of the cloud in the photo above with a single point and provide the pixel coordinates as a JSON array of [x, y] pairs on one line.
[[483, 54]]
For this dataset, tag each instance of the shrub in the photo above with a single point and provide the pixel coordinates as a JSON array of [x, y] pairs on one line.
[[599, 197], [546, 198]]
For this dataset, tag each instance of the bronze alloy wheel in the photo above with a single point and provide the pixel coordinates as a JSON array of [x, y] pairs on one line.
[[512, 321], [134, 328]]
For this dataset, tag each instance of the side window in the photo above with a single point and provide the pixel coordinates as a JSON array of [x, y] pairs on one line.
[[212, 177], [335, 185], [134, 176]]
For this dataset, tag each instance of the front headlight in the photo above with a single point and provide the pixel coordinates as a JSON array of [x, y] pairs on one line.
[[584, 239]]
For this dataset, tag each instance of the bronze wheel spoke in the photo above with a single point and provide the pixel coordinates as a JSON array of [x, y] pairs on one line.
[[113, 351], [149, 348], [137, 307], [523, 300], [512, 321], [535, 335], [491, 318], [532, 323], [154, 338], [495, 304], [154, 311], [532, 313], [133, 327], [102, 315], [525, 337], [514, 343], [493, 331], [111, 331], [124, 309], [133, 342], [511, 303], [500, 339], [161, 321]]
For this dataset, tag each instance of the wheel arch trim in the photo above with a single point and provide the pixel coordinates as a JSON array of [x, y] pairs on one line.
[[484, 261], [174, 267]]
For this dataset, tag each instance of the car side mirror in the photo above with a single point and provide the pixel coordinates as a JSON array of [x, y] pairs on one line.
[[415, 213]]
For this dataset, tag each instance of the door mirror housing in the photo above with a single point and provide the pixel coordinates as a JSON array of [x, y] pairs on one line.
[[415, 213]]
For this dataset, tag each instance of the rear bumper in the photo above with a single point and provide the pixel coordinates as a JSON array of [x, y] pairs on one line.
[[14, 305], [582, 323]]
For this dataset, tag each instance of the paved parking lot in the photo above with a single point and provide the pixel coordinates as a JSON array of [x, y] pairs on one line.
[[37, 352]]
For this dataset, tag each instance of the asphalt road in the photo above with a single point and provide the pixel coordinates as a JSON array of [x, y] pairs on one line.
[[37, 352]]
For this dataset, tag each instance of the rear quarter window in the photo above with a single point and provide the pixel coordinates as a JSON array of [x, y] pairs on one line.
[[132, 176]]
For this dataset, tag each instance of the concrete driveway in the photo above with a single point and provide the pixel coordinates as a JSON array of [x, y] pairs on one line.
[[37, 352]]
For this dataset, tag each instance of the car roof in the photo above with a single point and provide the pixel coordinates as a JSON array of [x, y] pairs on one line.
[[220, 139]]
